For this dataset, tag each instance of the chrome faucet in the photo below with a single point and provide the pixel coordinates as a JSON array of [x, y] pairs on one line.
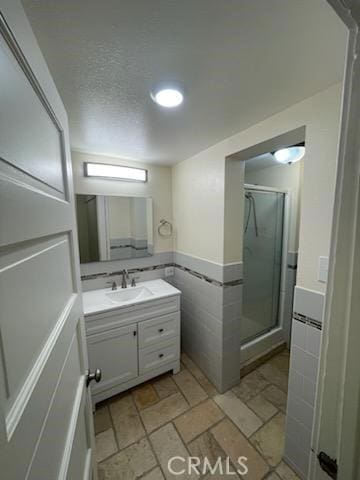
[[113, 285], [133, 281], [124, 276]]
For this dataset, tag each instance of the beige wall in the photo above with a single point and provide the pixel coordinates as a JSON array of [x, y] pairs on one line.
[[208, 222], [233, 211], [286, 177], [158, 187], [198, 205]]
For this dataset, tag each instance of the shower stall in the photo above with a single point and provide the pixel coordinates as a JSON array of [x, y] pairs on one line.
[[264, 241]]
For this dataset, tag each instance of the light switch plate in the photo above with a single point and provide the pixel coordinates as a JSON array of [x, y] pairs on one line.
[[323, 269], [169, 271]]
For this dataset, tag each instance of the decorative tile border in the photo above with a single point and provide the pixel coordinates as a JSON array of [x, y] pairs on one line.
[[309, 303], [208, 279], [222, 273], [161, 267], [129, 242], [307, 320], [129, 270], [115, 247]]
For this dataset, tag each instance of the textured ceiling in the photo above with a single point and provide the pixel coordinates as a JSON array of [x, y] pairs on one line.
[[239, 61]]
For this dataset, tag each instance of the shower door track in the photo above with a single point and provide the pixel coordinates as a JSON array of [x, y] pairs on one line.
[[263, 188]]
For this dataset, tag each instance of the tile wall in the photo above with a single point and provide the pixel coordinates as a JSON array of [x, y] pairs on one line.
[[305, 354], [211, 311]]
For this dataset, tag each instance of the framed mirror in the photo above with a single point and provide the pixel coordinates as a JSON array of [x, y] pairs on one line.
[[114, 227]]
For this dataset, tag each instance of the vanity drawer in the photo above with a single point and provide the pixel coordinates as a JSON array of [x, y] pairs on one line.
[[157, 355], [159, 329]]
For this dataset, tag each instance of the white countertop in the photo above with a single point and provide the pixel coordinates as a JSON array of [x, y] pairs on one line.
[[96, 301]]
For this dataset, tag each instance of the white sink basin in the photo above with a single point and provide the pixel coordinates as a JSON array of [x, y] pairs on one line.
[[104, 299], [129, 294]]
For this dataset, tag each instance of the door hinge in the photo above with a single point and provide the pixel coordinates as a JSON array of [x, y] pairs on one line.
[[329, 465]]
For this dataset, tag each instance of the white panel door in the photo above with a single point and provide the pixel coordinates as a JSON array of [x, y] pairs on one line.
[[337, 414], [46, 429]]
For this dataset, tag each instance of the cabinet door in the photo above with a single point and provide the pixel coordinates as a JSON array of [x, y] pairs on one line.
[[115, 352]]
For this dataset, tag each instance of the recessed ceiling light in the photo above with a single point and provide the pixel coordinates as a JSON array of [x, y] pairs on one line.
[[168, 97], [290, 154]]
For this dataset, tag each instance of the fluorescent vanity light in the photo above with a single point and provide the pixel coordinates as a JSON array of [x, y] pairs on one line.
[[290, 154], [168, 97], [129, 174]]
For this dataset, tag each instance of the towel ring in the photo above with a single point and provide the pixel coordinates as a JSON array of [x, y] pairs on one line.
[[164, 223]]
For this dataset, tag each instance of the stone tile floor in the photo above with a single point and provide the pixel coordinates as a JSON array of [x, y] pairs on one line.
[[184, 415]]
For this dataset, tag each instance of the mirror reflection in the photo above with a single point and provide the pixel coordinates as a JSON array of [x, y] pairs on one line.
[[114, 228]]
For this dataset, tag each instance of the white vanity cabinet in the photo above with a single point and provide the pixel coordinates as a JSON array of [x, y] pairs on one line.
[[133, 343]]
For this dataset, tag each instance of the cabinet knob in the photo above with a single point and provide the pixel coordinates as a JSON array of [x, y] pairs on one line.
[[161, 355], [161, 330], [95, 375], [134, 333]]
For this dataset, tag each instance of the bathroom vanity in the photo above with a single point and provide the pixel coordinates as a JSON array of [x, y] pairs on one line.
[[133, 334]]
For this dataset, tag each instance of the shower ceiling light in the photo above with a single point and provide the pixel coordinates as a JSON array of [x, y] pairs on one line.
[[168, 97], [290, 154]]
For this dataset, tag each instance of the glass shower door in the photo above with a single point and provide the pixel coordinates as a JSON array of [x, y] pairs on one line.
[[263, 235]]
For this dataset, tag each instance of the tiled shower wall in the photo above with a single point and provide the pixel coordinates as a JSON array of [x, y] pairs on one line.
[[305, 354]]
